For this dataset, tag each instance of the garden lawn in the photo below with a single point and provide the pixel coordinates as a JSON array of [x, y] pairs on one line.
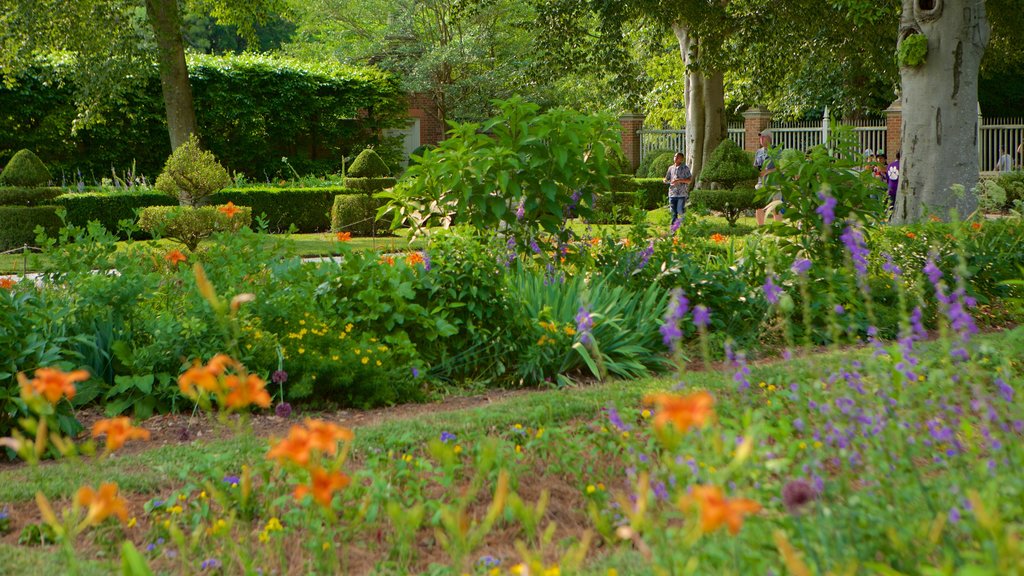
[[567, 444]]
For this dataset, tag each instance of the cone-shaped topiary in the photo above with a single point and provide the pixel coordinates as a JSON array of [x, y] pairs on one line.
[[729, 166], [368, 165], [191, 174], [25, 169]]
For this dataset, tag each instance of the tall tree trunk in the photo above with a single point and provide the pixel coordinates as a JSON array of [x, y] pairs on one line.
[[181, 115], [940, 108], [704, 96]]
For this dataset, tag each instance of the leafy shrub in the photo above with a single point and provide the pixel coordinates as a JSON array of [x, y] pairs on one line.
[[368, 165], [991, 196], [355, 213], [1013, 184], [659, 166], [18, 224], [369, 185], [729, 167], [24, 169], [108, 209], [912, 51], [648, 160], [28, 196], [190, 225], [307, 209], [731, 203], [618, 164], [191, 174], [654, 191]]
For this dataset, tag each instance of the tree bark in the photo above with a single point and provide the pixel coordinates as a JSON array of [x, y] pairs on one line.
[[704, 97], [177, 91], [940, 108]]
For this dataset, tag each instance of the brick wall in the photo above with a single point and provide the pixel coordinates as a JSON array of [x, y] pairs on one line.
[[755, 121], [893, 130], [432, 127], [629, 125]]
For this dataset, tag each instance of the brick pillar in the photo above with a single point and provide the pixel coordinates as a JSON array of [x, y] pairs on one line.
[[893, 129], [432, 128], [630, 125], [755, 121]]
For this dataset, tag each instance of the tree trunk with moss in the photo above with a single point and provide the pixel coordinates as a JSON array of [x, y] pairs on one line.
[[177, 91], [940, 107]]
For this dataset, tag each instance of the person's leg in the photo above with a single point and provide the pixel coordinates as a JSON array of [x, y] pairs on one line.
[[672, 209]]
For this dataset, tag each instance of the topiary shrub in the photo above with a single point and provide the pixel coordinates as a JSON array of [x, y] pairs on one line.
[[368, 165], [729, 167], [731, 203], [648, 159], [356, 213], [659, 165], [25, 169], [18, 224], [190, 225], [370, 185], [191, 174]]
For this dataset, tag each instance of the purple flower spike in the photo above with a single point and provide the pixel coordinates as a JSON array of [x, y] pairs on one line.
[[891, 267], [801, 266], [678, 306], [771, 290], [701, 316], [584, 324], [853, 239], [827, 208], [932, 271], [521, 210]]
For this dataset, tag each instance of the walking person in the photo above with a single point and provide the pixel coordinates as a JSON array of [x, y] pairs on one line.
[[678, 179], [892, 177]]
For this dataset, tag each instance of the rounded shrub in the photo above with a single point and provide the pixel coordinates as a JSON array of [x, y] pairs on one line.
[[731, 203], [368, 165], [25, 169], [191, 174], [18, 224], [356, 213], [190, 225], [729, 167], [370, 185], [659, 165], [648, 159]]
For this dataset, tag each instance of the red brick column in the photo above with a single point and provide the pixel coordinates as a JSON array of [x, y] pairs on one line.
[[755, 121], [630, 125], [893, 129], [432, 128]]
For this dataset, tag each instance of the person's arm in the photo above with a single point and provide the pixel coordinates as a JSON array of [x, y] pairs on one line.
[[668, 176]]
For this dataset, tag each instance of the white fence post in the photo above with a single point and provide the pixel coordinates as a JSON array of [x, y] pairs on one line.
[[824, 127], [981, 152]]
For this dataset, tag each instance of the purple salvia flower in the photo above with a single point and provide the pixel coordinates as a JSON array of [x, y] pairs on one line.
[[801, 266], [1005, 390], [701, 316], [853, 239], [678, 305], [616, 420], [427, 262], [932, 271], [584, 324], [891, 267], [521, 210], [827, 208], [675, 227], [771, 290], [534, 246]]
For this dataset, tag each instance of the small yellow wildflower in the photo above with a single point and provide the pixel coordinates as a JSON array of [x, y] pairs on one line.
[[458, 449], [591, 489], [176, 510], [378, 363], [132, 522], [365, 360], [646, 413]]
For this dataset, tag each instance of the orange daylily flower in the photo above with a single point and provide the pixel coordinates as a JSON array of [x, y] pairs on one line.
[[344, 236], [716, 510], [242, 393], [295, 447], [718, 238], [595, 241], [389, 260], [174, 257], [326, 435], [118, 430], [7, 283], [229, 209], [911, 235], [52, 384], [414, 258], [102, 504], [205, 377], [325, 484], [976, 225], [683, 412]]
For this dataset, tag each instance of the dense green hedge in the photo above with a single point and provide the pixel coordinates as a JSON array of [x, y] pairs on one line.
[[18, 224], [14, 196], [355, 213], [370, 185], [251, 111], [654, 190], [109, 209]]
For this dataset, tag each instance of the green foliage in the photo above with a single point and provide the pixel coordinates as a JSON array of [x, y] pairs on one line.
[[191, 174], [729, 166], [912, 51], [654, 190], [1013, 184], [108, 209], [731, 203], [24, 169], [991, 196], [307, 209], [659, 166], [251, 111], [190, 225], [18, 224], [644, 168], [483, 172], [357, 214], [368, 165], [370, 185], [28, 196]]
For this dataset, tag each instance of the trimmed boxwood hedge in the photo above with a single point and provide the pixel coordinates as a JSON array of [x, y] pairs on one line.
[[355, 213], [16, 196], [18, 224], [109, 209], [731, 203], [654, 190], [370, 185]]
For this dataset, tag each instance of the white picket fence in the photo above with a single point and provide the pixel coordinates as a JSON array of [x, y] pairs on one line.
[[995, 136]]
